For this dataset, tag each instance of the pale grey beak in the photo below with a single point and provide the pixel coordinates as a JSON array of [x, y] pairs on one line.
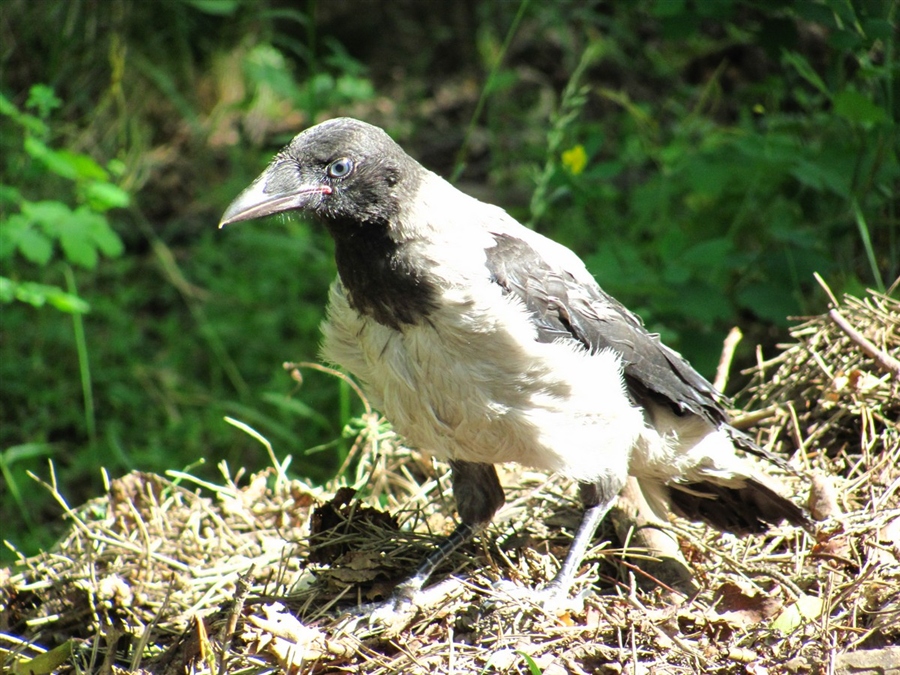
[[255, 202]]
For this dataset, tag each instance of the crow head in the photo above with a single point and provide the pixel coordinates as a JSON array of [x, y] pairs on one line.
[[344, 172]]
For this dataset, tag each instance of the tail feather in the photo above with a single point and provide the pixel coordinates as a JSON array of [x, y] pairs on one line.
[[743, 509]]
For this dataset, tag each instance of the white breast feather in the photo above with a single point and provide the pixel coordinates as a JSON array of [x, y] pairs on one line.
[[472, 383]]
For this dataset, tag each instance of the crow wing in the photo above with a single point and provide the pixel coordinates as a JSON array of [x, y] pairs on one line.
[[563, 307]]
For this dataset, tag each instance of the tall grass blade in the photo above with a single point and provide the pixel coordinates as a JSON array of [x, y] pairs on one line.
[[84, 366]]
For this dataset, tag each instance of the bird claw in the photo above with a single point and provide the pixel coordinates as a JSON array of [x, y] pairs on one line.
[[552, 598], [393, 615], [556, 600], [389, 617], [386, 618]]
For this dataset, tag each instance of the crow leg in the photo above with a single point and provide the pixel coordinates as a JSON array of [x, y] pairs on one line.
[[406, 591], [478, 496], [597, 498]]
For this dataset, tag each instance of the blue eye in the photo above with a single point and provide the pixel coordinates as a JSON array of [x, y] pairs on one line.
[[340, 167]]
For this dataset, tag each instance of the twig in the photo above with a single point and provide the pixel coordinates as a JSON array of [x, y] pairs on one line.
[[754, 417], [885, 361], [826, 288], [728, 346], [291, 367], [241, 590], [682, 644], [795, 425]]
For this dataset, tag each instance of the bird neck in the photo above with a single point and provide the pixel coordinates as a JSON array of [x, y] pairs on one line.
[[379, 274]]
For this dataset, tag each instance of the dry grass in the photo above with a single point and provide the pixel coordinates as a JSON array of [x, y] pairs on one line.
[[171, 576]]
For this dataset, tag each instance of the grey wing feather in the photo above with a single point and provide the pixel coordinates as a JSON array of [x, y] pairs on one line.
[[561, 306]]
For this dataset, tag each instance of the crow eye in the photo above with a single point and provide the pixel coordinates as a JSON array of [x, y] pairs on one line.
[[340, 167]]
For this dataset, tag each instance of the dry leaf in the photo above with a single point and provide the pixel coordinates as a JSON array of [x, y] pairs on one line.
[[741, 606]]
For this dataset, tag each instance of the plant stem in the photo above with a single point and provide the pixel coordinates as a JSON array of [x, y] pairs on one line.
[[460, 163], [573, 99], [84, 366], [867, 244]]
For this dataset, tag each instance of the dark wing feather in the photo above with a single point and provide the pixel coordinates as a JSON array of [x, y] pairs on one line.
[[563, 307]]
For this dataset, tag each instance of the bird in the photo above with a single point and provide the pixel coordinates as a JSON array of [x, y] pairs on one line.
[[485, 342]]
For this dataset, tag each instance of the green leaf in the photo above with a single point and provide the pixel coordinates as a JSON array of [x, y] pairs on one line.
[[214, 7], [52, 216], [97, 227], [80, 233], [815, 12], [67, 302], [878, 29], [10, 195], [711, 253], [354, 88], [31, 123], [47, 210], [18, 232], [34, 246], [805, 70], [37, 149], [48, 662], [43, 99], [78, 250], [83, 165], [668, 8], [77, 241], [41, 152], [10, 230], [533, 667], [103, 196], [703, 302], [38, 295], [844, 10], [845, 40], [7, 290], [25, 451], [63, 163], [718, 9], [770, 301], [858, 109], [8, 108], [822, 177], [116, 167]]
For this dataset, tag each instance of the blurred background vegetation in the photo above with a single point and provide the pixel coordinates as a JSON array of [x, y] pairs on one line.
[[704, 157]]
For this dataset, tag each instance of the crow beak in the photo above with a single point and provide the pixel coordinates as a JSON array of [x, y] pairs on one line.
[[255, 202]]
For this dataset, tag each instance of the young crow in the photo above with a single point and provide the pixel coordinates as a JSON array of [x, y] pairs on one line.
[[485, 342]]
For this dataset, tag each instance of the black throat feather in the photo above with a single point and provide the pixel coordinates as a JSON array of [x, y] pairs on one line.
[[379, 275]]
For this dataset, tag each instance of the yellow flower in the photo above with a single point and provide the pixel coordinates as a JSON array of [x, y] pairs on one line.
[[575, 159]]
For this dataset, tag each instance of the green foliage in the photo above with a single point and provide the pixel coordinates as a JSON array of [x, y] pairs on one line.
[[274, 80], [83, 232], [34, 231]]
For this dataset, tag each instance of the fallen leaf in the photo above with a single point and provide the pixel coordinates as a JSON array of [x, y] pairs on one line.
[[741, 607], [823, 498], [804, 609]]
